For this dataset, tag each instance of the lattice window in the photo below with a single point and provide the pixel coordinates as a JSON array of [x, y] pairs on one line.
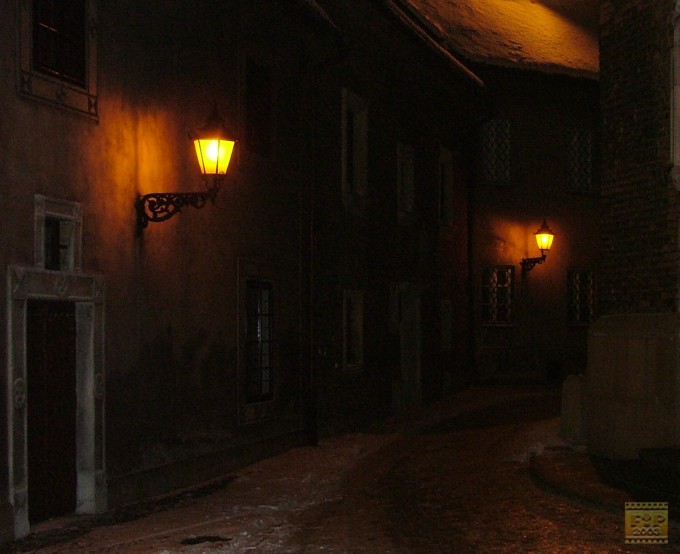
[[581, 297], [406, 177], [354, 148], [580, 150], [445, 187], [495, 152], [259, 340], [353, 329], [497, 295]]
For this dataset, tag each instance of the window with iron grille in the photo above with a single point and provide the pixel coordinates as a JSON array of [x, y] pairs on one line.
[[445, 187], [580, 152], [495, 152], [353, 329], [57, 54], [406, 177], [354, 148], [497, 293], [581, 297], [259, 340]]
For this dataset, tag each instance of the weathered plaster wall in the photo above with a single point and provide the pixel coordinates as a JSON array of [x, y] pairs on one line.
[[541, 109], [172, 295]]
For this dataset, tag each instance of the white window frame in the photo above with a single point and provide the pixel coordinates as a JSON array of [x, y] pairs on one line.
[[354, 178], [71, 214]]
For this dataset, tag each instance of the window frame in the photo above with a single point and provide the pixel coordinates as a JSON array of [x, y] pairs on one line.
[[580, 160], [575, 292], [64, 93], [70, 215], [406, 182], [353, 329], [445, 175], [495, 152], [493, 303], [265, 372], [354, 149]]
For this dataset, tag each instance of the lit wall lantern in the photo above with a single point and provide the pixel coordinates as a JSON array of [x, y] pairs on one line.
[[544, 239], [213, 150]]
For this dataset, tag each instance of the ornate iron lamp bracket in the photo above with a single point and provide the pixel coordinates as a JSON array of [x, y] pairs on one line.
[[529, 263], [156, 207]]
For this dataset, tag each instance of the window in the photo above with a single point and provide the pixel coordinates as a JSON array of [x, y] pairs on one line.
[[258, 99], [58, 53], [580, 300], [259, 340], [58, 244], [59, 40], [405, 181], [445, 187], [354, 148], [580, 152], [497, 292], [495, 152], [58, 229], [353, 329]]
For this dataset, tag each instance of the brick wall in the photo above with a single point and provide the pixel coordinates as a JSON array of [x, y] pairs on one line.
[[640, 207]]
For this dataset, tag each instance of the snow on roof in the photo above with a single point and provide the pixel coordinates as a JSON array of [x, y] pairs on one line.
[[555, 36]]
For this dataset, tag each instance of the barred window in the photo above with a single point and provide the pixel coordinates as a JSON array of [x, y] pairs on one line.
[[57, 53], [259, 340], [580, 301], [354, 148], [495, 152], [580, 152], [445, 187], [497, 293], [406, 177], [353, 329]]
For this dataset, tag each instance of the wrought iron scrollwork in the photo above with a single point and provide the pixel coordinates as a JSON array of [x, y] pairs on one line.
[[156, 207], [529, 263]]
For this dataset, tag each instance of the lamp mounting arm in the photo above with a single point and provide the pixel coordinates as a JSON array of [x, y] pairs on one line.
[[156, 207], [529, 263]]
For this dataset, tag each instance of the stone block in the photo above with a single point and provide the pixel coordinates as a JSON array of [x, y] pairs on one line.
[[630, 391]]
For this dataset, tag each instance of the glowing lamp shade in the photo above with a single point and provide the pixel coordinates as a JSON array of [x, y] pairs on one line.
[[213, 155], [544, 237]]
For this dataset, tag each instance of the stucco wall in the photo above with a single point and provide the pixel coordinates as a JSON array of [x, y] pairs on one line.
[[542, 110]]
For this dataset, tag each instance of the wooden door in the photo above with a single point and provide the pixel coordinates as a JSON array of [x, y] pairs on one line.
[[51, 403]]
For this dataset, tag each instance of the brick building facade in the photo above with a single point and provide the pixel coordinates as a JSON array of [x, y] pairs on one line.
[[633, 361]]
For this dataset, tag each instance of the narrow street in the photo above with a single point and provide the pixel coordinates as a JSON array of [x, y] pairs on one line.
[[457, 481]]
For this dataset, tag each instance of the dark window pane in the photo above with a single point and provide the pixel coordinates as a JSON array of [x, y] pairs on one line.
[[59, 39]]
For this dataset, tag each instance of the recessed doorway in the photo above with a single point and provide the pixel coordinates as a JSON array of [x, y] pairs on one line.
[[52, 405]]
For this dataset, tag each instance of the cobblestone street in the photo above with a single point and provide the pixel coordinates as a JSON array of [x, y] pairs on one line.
[[458, 480]]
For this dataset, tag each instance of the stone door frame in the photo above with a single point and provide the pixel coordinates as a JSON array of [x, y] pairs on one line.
[[87, 293]]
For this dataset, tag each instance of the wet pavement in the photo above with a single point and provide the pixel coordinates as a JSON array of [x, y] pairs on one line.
[[484, 471]]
